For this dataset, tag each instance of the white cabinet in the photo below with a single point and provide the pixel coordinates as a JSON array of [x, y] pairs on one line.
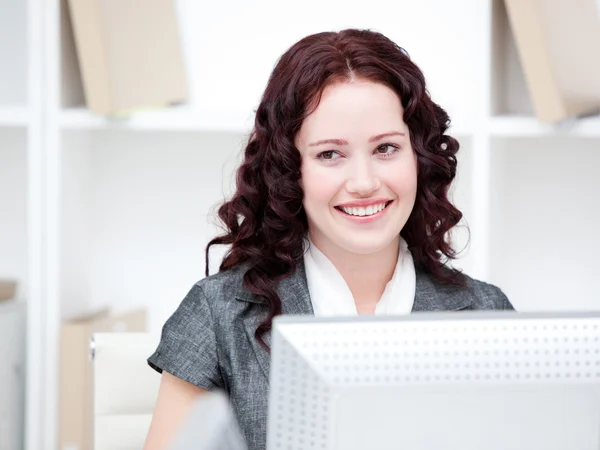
[[12, 375]]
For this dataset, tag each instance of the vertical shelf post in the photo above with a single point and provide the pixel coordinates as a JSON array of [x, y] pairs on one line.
[[481, 170], [34, 386]]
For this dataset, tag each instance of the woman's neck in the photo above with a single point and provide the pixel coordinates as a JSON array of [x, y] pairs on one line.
[[366, 275]]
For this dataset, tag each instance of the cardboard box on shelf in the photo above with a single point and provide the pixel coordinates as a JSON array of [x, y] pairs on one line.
[[75, 385], [557, 42], [130, 54], [7, 289]]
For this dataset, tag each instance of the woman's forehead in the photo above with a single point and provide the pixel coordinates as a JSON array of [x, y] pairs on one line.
[[353, 111]]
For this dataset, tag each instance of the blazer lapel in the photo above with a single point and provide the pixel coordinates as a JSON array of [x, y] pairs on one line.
[[295, 300], [431, 295]]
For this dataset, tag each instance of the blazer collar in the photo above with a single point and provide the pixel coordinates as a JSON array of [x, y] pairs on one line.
[[430, 296]]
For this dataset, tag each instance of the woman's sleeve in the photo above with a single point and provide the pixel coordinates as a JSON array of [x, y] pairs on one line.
[[188, 346]]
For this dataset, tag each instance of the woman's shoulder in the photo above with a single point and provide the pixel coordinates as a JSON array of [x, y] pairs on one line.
[[486, 295], [221, 292], [224, 283], [195, 334], [476, 293]]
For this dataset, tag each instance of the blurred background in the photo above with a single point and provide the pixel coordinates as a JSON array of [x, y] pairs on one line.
[[122, 123]]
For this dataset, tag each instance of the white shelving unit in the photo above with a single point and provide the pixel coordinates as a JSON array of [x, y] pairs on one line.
[[13, 116], [522, 127], [116, 212]]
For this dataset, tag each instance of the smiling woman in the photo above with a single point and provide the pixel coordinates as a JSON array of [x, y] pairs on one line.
[[341, 208]]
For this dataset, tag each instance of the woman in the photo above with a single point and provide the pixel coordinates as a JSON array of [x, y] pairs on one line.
[[341, 208]]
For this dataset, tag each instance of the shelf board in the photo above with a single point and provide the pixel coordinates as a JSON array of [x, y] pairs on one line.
[[13, 116], [525, 126], [179, 118], [182, 118]]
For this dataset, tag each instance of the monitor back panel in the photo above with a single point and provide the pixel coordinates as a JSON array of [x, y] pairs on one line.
[[460, 380]]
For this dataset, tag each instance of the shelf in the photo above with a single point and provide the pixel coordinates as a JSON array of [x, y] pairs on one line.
[[184, 118], [13, 116], [180, 118], [524, 126]]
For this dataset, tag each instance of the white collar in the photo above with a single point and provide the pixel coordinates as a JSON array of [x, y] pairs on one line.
[[331, 296]]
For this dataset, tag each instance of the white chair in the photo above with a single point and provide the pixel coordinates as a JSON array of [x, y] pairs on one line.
[[125, 389]]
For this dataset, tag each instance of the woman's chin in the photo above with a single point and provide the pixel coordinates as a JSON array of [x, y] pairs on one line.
[[367, 245]]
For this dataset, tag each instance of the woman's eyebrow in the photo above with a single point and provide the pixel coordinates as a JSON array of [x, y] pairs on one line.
[[384, 135], [345, 142], [329, 141]]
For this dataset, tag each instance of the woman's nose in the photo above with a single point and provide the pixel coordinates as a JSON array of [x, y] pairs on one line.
[[362, 179]]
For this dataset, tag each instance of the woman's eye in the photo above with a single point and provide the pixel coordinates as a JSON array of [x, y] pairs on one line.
[[328, 155], [387, 149]]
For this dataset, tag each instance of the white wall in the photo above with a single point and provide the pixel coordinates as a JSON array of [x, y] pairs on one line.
[[460, 195], [13, 205], [77, 219], [12, 44], [231, 47], [138, 218], [545, 220]]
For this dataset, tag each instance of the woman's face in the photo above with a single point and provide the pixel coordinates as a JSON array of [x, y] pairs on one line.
[[359, 171]]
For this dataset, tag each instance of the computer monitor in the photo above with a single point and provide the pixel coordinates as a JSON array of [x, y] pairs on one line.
[[461, 380]]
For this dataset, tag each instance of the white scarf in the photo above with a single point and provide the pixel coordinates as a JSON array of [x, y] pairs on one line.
[[331, 296]]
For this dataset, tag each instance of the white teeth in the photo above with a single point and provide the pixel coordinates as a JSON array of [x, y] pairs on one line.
[[360, 211]]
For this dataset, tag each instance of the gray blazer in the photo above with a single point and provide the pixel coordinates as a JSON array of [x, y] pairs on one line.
[[209, 340]]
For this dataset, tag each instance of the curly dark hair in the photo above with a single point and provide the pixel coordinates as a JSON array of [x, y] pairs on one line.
[[265, 221]]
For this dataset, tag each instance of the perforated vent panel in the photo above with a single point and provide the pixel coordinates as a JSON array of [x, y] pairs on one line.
[[302, 404], [376, 353]]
